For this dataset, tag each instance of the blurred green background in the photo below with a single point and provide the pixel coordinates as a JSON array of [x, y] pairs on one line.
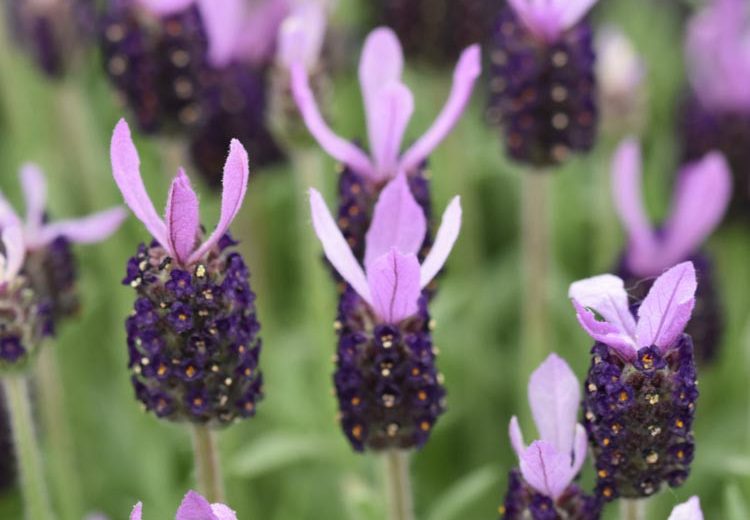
[[291, 460]]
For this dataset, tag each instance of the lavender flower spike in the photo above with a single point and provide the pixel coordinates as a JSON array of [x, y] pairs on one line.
[[388, 107], [641, 387], [690, 510], [549, 465], [194, 507]]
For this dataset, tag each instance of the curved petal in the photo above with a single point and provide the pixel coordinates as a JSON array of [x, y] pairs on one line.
[[15, 252], [666, 310], [554, 397], [397, 222], [606, 295], [446, 237], [580, 448], [234, 181], [256, 41], [34, 187], [223, 24], [391, 109], [223, 512], [136, 514], [8, 215], [194, 507], [336, 248], [545, 469], [468, 69], [86, 230], [605, 332], [126, 170], [394, 285], [337, 147], [516, 437], [182, 218], [381, 64], [690, 510]]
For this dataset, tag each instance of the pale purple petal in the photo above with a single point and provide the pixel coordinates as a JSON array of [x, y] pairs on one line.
[[544, 19], [136, 514], [301, 35], [394, 285], [336, 249], [339, 148], [391, 109], [446, 237], [223, 23], [182, 218], [580, 448], [15, 252], [256, 42], [554, 396], [223, 512], [127, 174], [86, 230], [700, 201], [606, 295], [666, 310], [34, 187], [194, 507], [381, 64], [8, 215], [236, 174], [690, 510], [516, 437], [165, 7], [606, 332], [468, 69], [546, 470], [397, 222]]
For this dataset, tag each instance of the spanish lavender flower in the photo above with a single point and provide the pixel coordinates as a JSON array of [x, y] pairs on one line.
[[543, 488], [700, 199], [717, 114], [390, 393], [193, 334], [543, 87], [690, 510], [388, 107], [50, 264], [641, 388], [194, 507]]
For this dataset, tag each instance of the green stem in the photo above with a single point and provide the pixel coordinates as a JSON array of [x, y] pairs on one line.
[[633, 509], [398, 485], [207, 468], [28, 456]]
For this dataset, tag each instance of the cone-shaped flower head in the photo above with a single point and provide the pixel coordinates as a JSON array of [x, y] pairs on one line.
[[389, 391], [49, 263], [192, 336], [549, 465], [690, 510], [641, 387], [542, 80], [193, 507], [700, 199]]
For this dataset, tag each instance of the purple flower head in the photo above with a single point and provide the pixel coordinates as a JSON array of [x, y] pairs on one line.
[[301, 35], [548, 19], [38, 233], [178, 233], [194, 507], [718, 55], [11, 260], [662, 316], [699, 202], [388, 107], [550, 463], [392, 279], [690, 510]]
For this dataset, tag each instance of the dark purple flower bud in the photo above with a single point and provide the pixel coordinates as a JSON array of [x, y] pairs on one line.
[[524, 502], [542, 81]]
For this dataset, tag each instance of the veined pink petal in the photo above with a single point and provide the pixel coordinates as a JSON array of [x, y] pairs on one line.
[[136, 514], [666, 310], [606, 295], [606, 332], [165, 7], [336, 248], [516, 437], [34, 187], [234, 181], [127, 174], [339, 148], [182, 218], [391, 109], [580, 448], [86, 230], [223, 512], [546, 470], [15, 252], [445, 238], [468, 69], [397, 222], [223, 22], [690, 510], [194, 507], [554, 397], [394, 285]]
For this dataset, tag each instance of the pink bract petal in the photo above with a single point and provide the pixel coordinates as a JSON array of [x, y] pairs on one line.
[[182, 218], [580, 448], [234, 181], [301, 35], [223, 23], [394, 285], [690, 510], [391, 110], [165, 7], [136, 514], [606, 332], [256, 42], [516, 437], [8, 215], [223, 512], [339, 148], [336, 248], [397, 222], [127, 174], [86, 230], [446, 237], [545, 469], [194, 507], [550, 18], [606, 295], [15, 252], [468, 69], [381, 64], [666, 310], [34, 187], [554, 397]]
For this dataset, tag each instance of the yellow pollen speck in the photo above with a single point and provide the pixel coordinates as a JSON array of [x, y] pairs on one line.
[[190, 371], [606, 441], [679, 423], [602, 473], [356, 400], [422, 395], [652, 399], [424, 426], [623, 396], [200, 272], [161, 370], [357, 431], [228, 381], [652, 457], [182, 317], [392, 429]]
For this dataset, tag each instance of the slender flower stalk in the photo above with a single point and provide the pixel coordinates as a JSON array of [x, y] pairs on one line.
[[398, 482], [193, 507], [207, 466], [632, 509]]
